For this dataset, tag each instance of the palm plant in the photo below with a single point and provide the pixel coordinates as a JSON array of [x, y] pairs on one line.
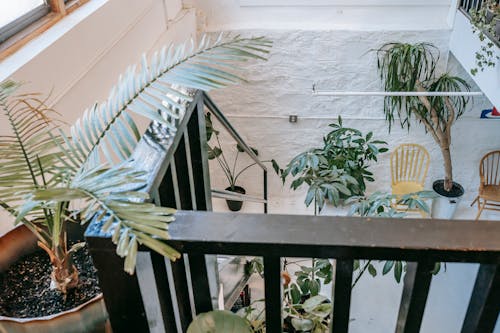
[[48, 178], [412, 67]]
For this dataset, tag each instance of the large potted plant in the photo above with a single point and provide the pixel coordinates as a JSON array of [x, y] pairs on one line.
[[412, 68], [49, 178], [339, 169]]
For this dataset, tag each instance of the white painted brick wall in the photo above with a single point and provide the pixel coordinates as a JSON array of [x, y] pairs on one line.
[[337, 60]]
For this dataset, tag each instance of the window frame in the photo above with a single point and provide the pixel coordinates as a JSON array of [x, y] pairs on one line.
[[19, 32], [23, 21]]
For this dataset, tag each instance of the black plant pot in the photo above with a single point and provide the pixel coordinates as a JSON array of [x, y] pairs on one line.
[[232, 204]]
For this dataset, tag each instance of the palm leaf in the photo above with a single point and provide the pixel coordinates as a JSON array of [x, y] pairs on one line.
[[153, 92]]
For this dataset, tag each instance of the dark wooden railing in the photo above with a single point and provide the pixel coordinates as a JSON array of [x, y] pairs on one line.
[[467, 5], [177, 291]]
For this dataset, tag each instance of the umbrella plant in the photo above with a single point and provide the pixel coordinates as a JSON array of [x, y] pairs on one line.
[[49, 178]]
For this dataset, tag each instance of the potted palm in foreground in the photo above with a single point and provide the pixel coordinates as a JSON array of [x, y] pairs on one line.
[[412, 68], [49, 178]]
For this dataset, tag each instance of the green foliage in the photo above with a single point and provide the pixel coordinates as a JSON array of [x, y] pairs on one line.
[[219, 322], [380, 204], [412, 67], [339, 169], [482, 24], [44, 169], [303, 308], [215, 152]]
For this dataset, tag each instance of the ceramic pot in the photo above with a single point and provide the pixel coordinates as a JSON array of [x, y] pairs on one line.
[[88, 317], [445, 205], [234, 205]]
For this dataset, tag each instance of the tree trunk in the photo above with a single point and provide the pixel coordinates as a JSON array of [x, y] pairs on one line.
[[448, 173]]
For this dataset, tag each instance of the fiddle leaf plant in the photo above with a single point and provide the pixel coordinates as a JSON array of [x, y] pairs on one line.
[[49, 177]]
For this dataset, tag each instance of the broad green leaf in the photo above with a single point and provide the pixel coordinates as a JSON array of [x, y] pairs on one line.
[[387, 267], [302, 324], [219, 322], [311, 303]]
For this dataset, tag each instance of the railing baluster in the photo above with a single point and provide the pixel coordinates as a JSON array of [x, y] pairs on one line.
[[484, 304], [272, 287], [163, 290], [182, 186], [199, 157], [265, 191], [190, 171], [175, 185], [199, 281], [342, 296], [182, 293], [122, 293], [415, 291]]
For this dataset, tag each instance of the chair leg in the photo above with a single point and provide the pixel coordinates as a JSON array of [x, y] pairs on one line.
[[480, 210], [473, 202]]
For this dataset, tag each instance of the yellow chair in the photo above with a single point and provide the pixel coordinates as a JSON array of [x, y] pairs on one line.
[[489, 186], [409, 166]]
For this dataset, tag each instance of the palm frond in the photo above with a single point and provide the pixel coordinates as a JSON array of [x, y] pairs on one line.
[[111, 194], [27, 154], [152, 92]]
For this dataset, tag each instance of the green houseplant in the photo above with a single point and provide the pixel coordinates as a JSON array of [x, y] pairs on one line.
[[412, 67], [230, 170], [337, 170], [49, 178]]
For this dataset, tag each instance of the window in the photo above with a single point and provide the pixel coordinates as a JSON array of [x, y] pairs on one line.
[[17, 15], [22, 20]]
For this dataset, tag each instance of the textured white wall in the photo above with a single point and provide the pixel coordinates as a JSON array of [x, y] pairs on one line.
[[337, 60]]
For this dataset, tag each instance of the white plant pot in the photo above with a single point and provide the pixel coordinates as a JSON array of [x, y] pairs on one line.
[[445, 205]]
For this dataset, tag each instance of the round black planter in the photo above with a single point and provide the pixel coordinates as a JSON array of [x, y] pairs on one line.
[[456, 190], [232, 204]]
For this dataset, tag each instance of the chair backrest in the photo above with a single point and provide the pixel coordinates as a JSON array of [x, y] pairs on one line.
[[409, 163], [489, 169]]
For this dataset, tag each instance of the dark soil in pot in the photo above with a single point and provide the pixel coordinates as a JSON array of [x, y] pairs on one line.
[[456, 190], [25, 287], [232, 204]]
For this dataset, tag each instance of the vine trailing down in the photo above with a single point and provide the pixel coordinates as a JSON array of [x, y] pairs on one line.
[[49, 178], [412, 67]]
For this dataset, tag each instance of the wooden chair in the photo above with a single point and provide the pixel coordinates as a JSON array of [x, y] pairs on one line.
[[409, 166], [489, 186]]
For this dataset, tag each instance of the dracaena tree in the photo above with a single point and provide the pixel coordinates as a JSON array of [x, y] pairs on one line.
[[49, 177], [412, 68]]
